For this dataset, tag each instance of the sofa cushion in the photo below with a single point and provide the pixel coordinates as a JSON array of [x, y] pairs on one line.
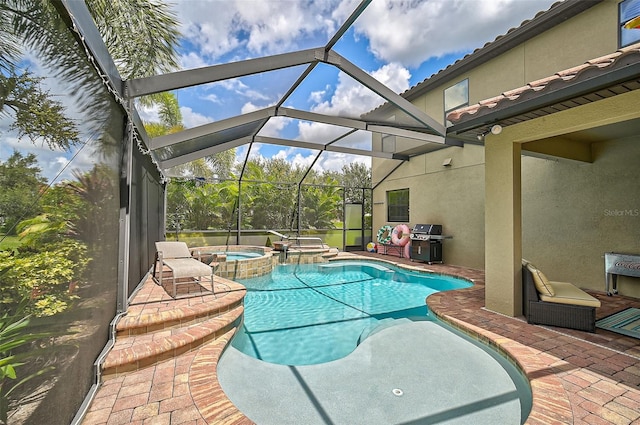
[[567, 293], [540, 281]]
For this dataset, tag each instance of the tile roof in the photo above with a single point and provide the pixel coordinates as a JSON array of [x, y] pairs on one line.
[[561, 79]]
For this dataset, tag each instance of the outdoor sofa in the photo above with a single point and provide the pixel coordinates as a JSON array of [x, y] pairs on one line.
[[559, 304]]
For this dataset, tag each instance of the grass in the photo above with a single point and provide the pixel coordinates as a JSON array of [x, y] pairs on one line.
[[9, 243]]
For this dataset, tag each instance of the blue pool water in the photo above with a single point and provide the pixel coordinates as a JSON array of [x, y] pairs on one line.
[[237, 255], [316, 313]]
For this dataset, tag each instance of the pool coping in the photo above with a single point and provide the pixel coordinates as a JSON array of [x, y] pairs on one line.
[[549, 400]]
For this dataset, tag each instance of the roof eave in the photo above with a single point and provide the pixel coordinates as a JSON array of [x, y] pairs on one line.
[[571, 91]]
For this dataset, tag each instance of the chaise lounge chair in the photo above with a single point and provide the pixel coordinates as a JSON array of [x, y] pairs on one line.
[[559, 304], [184, 268]]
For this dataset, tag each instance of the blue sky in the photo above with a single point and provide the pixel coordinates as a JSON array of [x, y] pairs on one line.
[[398, 42]]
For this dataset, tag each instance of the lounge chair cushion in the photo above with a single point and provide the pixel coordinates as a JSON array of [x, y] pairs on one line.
[[540, 281], [568, 293], [187, 267]]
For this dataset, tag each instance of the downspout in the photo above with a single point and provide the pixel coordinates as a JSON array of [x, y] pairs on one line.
[[97, 366]]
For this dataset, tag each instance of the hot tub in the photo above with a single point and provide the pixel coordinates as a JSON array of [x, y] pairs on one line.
[[238, 261]]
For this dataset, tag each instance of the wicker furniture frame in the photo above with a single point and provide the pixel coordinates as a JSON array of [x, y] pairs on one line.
[[553, 314]]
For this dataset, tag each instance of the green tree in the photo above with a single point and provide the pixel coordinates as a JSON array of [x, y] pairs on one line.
[[322, 205], [169, 114], [270, 188], [219, 165], [17, 345], [141, 35], [86, 202], [34, 25], [49, 265], [47, 278], [194, 204], [222, 163], [355, 176], [36, 114], [21, 185]]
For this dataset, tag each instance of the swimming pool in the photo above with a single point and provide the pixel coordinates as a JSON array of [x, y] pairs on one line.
[[315, 313]]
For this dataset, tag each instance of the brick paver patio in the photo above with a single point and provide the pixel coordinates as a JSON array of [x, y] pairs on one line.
[[576, 377]]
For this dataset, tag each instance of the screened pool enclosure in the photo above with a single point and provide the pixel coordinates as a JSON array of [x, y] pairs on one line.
[[87, 191]]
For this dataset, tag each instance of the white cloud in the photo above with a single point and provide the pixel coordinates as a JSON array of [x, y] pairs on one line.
[[317, 96], [209, 26], [319, 132], [272, 30], [352, 98], [190, 118], [273, 127], [304, 162], [232, 84], [254, 95], [335, 160], [212, 98], [149, 113], [254, 153], [191, 60], [401, 34], [250, 107], [52, 162], [412, 32], [261, 27]]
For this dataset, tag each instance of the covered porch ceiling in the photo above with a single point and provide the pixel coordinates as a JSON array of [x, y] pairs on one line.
[[420, 133]]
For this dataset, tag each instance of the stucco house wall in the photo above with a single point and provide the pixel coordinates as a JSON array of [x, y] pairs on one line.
[[572, 212]]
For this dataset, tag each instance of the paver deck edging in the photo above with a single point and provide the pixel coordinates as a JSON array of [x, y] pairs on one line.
[[550, 401], [208, 396]]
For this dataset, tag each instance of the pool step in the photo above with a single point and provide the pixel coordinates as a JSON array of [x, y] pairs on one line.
[[379, 326], [132, 325], [331, 253], [142, 350]]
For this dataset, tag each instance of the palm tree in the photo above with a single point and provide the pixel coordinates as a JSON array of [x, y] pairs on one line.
[[141, 36]]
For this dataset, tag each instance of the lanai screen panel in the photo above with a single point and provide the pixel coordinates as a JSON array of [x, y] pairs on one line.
[[66, 269]]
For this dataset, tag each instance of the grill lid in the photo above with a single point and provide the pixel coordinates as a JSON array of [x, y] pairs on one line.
[[427, 229]]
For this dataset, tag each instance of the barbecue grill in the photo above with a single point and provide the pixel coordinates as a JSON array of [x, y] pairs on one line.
[[426, 243]]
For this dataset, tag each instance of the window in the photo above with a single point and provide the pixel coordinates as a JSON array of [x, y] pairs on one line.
[[398, 205], [455, 97], [628, 22], [389, 143]]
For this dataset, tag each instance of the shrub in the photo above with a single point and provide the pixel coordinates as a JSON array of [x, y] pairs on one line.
[[47, 278]]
